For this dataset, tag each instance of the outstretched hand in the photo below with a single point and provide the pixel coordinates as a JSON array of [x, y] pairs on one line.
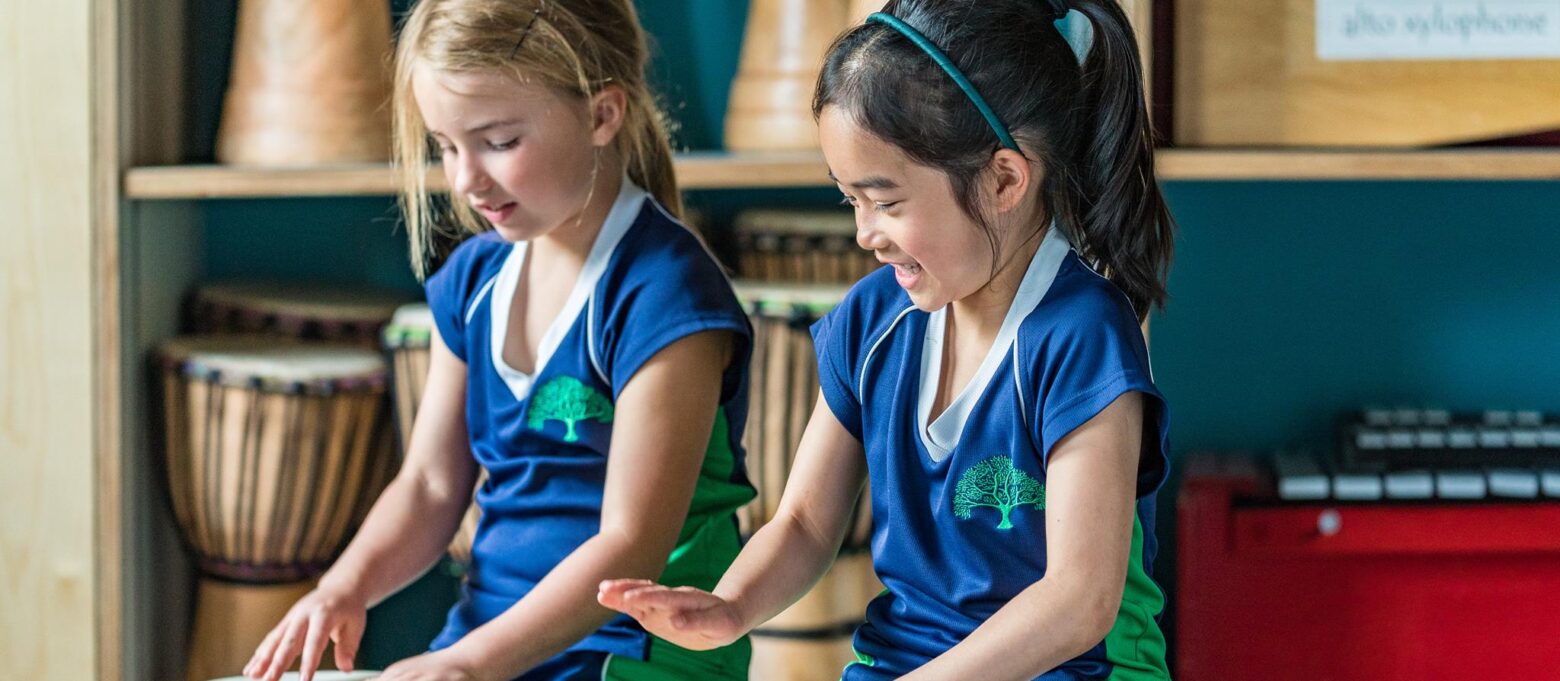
[[691, 618]]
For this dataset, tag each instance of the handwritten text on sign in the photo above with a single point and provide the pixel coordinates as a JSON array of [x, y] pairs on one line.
[[1437, 29]]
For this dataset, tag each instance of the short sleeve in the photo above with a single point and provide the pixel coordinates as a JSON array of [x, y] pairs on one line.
[[835, 345], [661, 298], [1090, 357], [451, 288]]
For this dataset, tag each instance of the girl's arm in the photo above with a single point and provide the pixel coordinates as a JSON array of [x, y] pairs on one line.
[[408, 528], [1089, 494], [780, 563], [661, 426]]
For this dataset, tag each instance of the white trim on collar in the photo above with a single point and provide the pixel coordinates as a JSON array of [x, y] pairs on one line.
[[941, 437], [624, 211]]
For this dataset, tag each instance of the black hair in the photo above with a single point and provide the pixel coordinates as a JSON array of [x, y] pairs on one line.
[[1087, 125]]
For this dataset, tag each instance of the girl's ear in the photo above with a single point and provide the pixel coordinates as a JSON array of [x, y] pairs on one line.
[[608, 109], [1011, 176]]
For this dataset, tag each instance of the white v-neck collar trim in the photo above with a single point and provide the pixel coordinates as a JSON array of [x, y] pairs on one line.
[[941, 437], [620, 218]]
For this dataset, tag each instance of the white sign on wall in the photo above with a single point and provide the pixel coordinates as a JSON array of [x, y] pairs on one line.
[[1437, 29]]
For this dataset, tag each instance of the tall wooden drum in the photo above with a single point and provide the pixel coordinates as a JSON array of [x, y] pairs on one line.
[[811, 639], [275, 450], [310, 84], [407, 341], [783, 48]]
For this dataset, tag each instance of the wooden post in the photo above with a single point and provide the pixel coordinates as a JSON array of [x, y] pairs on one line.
[[1141, 14], [50, 602]]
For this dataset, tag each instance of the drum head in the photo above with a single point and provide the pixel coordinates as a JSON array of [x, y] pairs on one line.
[[273, 363], [412, 326], [297, 299]]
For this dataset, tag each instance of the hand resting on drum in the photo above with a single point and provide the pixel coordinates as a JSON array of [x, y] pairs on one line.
[[407, 530], [325, 612]]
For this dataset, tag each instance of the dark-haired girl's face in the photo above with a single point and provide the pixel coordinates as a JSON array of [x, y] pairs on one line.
[[906, 214]]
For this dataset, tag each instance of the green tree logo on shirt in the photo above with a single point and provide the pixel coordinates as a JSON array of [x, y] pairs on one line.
[[568, 400], [996, 483]]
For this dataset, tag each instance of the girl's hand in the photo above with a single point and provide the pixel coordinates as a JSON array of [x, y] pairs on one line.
[[437, 666], [322, 614], [692, 618]]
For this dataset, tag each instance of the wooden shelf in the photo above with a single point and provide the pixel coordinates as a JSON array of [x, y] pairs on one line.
[[715, 170], [701, 170], [1442, 164]]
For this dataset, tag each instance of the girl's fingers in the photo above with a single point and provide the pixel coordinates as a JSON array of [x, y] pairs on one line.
[[258, 664], [287, 650], [313, 647], [667, 611], [610, 592], [610, 599], [663, 598], [347, 636]]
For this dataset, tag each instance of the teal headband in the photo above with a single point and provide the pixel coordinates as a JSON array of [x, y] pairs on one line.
[[953, 72]]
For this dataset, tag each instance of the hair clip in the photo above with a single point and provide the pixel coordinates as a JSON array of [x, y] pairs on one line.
[[535, 14]]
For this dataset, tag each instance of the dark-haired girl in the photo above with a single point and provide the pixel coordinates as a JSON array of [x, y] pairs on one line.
[[992, 381]]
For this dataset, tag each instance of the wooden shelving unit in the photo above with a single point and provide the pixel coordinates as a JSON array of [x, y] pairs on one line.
[[698, 170], [717, 170]]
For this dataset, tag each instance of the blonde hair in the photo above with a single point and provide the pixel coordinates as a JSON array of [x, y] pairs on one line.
[[574, 48]]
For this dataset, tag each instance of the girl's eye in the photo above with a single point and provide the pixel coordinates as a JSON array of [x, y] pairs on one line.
[[882, 207], [847, 201], [504, 146]]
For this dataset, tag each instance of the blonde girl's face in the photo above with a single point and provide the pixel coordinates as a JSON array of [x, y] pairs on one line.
[[906, 214], [518, 153]]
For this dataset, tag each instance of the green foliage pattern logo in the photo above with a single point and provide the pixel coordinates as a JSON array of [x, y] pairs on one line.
[[569, 401], [996, 483]]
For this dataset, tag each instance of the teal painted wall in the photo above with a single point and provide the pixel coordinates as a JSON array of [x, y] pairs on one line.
[[1291, 302], [1294, 302], [694, 49]]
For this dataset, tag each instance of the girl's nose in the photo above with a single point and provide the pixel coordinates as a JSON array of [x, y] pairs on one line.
[[468, 177], [868, 236]]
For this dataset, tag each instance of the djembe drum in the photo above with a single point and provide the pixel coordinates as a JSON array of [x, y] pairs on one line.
[[275, 450], [810, 247], [407, 340], [782, 53], [293, 310], [811, 639], [309, 85]]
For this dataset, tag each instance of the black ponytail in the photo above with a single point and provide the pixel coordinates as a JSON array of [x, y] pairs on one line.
[[1086, 125], [1125, 225]]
